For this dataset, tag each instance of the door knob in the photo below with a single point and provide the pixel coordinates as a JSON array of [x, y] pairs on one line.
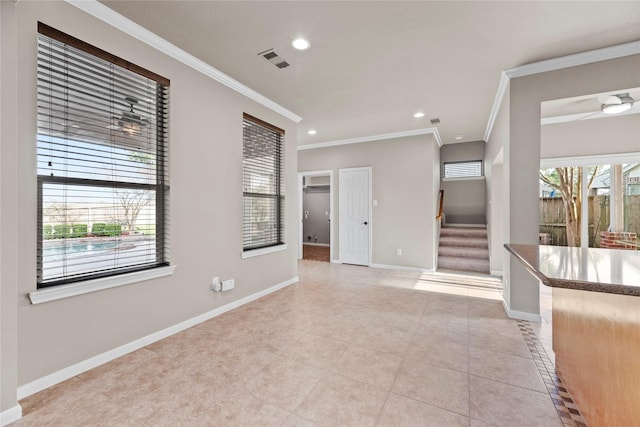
[[365, 223]]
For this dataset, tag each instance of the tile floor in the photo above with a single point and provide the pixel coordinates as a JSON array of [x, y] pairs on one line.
[[346, 346]]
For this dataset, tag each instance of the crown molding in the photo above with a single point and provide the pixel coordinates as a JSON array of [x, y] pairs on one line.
[[111, 17], [393, 135], [574, 60]]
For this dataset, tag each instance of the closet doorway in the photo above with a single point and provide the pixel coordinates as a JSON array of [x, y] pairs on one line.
[[315, 196]]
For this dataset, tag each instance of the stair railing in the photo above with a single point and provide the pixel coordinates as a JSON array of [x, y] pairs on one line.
[[440, 204]]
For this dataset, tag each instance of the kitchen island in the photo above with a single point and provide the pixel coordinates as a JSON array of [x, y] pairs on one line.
[[596, 326]]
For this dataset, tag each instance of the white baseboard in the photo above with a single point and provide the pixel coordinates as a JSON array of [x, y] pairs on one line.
[[10, 415], [317, 244], [336, 261], [521, 315], [80, 367], [400, 267], [497, 273]]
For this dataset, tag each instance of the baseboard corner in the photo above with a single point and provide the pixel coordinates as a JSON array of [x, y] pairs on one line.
[[10, 415], [521, 315]]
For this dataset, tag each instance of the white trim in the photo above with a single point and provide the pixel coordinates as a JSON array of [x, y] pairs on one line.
[[80, 367], [372, 138], [497, 273], [576, 59], [326, 245], [582, 58], [111, 17], [263, 251], [79, 288], [400, 267], [10, 415], [466, 178], [586, 116], [598, 159], [497, 103], [336, 261], [521, 315], [464, 225]]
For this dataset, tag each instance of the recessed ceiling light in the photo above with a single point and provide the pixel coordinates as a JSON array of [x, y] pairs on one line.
[[300, 44], [459, 137], [312, 132], [418, 115]]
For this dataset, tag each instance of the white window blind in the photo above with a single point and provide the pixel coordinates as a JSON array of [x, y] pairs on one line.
[[101, 163], [470, 169], [263, 189]]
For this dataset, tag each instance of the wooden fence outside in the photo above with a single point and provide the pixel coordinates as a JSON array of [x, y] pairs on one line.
[[552, 220]]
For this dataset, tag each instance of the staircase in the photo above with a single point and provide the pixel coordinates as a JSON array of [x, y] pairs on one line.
[[463, 249]]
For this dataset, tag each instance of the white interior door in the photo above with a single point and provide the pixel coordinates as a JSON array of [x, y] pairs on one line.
[[355, 216]]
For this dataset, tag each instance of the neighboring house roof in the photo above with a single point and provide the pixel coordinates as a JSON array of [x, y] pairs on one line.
[[604, 179]]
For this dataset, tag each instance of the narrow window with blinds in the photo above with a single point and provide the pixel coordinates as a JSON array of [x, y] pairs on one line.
[[470, 169], [263, 190], [101, 161]]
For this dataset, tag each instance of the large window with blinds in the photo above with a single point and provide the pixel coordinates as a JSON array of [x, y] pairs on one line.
[[263, 190], [101, 162]]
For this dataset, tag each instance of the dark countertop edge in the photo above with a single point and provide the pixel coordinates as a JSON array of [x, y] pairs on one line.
[[573, 284]]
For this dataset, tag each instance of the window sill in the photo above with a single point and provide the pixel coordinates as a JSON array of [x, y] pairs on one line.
[[65, 291], [470, 178], [263, 251]]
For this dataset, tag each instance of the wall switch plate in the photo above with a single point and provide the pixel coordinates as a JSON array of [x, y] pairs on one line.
[[215, 284], [398, 251], [227, 285], [375, 203]]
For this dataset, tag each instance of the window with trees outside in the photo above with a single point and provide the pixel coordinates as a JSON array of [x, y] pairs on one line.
[[263, 190], [102, 137]]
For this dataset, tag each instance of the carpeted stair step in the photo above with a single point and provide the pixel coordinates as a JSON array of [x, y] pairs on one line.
[[463, 264], [474, 242], [476, 232], [463, 251]]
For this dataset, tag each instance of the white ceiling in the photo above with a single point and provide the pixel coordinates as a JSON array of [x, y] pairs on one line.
[[372, 65]]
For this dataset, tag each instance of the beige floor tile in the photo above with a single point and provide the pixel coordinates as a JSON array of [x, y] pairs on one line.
[[437, 386], [284, 382], [321, 352], [340, 401], [454, 332], [506, 405], [373, 367], [400, 411], [506, 368], [382, 338], [443, 353], [495, 341]]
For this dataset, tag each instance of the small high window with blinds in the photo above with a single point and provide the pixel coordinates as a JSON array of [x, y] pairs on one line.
[[469, 169], [263, 189], [101, 162]]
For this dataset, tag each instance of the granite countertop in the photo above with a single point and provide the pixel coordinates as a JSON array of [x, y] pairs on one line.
[[611, 271]]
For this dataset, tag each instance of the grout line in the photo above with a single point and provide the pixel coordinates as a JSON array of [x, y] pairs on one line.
[[565, 406]]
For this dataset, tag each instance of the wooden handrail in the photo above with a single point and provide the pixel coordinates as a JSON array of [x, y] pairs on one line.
[[441, 202]]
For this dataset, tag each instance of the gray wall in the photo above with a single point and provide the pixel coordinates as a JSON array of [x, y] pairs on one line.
[[610, 135], [405, 184], [316, 202], [205, 200], [464, 200], [522, 154]]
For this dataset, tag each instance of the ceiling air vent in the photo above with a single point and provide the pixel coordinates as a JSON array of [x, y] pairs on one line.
[[273, 57], [435, 121]]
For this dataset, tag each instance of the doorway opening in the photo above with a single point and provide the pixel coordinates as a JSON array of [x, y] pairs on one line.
[[315, 196]]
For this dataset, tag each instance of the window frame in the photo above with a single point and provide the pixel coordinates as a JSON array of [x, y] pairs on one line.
[[84, 282], [468, 177], [279, 196]]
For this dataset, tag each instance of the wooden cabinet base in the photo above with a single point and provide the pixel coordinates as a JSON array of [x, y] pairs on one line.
[[596, 340]]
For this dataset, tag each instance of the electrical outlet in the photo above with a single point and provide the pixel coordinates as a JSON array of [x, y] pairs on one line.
[[398, 251], [227, 285], [215, 284]]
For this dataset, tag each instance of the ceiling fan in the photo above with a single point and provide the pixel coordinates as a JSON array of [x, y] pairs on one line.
[[614, 104]]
